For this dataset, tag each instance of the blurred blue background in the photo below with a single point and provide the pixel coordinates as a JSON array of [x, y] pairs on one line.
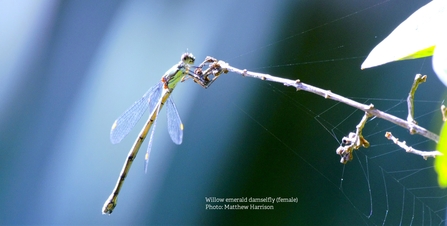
[[70, 68]]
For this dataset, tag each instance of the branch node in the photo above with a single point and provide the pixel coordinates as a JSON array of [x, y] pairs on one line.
[[444, 112], [412, 129], [388, 135], [364, 142]]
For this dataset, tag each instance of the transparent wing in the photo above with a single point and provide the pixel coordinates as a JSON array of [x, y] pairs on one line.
[[175, 126], [122, 126], [149, 146]]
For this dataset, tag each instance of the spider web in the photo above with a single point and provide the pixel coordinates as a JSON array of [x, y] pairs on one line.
[[383, 184], [401, 187]]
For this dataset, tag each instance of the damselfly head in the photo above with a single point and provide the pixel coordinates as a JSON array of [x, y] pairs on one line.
[[188, 58]]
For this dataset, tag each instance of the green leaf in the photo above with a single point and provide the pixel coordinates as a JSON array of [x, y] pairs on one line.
[[416, 37], [441, 161]]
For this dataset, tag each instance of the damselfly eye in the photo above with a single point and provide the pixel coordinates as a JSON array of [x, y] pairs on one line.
[[188, 58]]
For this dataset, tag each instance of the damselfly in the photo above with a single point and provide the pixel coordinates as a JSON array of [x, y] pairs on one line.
[[154, 99]]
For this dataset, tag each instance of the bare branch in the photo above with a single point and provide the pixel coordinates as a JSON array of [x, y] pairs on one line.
[[417, 80], [403, 144], [224, 67], [354, 140]]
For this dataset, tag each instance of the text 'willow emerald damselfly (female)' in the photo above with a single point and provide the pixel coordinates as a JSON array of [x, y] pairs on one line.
[[154, 99]]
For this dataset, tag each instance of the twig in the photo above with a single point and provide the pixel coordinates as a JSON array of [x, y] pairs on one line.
[[353, 141], [417, 80], [222, 66], [403, 144]]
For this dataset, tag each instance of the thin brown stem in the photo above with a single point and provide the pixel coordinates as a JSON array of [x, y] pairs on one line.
[[413, 128], [403, 145], [410, 99]]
